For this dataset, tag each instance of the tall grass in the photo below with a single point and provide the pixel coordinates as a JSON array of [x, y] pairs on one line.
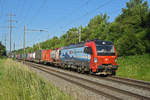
[[137, 67], [17, 82]]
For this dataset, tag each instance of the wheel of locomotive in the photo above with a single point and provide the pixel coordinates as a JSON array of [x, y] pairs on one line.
[[69, 67], [66, 66], [91, 72], [78, 69], [87, 71], [113, 73], [45, 63], [63, 66], [83, 70]]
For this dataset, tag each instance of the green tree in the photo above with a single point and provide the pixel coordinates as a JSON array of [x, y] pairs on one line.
[[96, 28], [71, 37], [146, 36], [129, 44], [132, 22], [2, 50]]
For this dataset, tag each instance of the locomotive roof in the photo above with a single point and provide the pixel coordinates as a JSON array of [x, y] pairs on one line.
[[97, 42], [102, 42]]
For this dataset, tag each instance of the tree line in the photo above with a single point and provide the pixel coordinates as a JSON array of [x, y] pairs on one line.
[[130, 31], [2, 50]]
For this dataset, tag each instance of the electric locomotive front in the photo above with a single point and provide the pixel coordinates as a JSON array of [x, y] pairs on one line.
[[103, 57]]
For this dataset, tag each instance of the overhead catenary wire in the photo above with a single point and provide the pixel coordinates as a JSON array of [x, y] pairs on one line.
[[1, 8], [80, 7], [76, 10], [25, 14], [21, 5], [86, 14], [38, 11]]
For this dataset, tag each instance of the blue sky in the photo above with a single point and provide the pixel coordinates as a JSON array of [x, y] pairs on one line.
[[55, 16]]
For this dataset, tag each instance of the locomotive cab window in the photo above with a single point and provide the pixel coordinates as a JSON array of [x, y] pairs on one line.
[[105, 50], [88, 50]]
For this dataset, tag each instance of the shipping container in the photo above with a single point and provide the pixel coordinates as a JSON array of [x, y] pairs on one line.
[[38, 55], [55, 55], [46, 57]]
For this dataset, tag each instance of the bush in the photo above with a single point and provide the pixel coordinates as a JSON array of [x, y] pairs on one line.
[[128, 44], [2, 50]]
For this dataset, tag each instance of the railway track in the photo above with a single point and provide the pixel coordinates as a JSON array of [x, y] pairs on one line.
[[98, 88], [130, 82], [126, 81], [47, 70]]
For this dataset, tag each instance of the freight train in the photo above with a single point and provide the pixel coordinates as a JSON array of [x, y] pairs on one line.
[[95, 57]]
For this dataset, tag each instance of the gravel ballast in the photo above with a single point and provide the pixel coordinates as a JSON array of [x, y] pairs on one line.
[[80, 93]]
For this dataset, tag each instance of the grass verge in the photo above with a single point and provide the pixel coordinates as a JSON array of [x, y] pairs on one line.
[[136, 67], [17, 82]]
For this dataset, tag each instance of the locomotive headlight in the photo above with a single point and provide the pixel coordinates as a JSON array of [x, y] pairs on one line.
[[95, 60]]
